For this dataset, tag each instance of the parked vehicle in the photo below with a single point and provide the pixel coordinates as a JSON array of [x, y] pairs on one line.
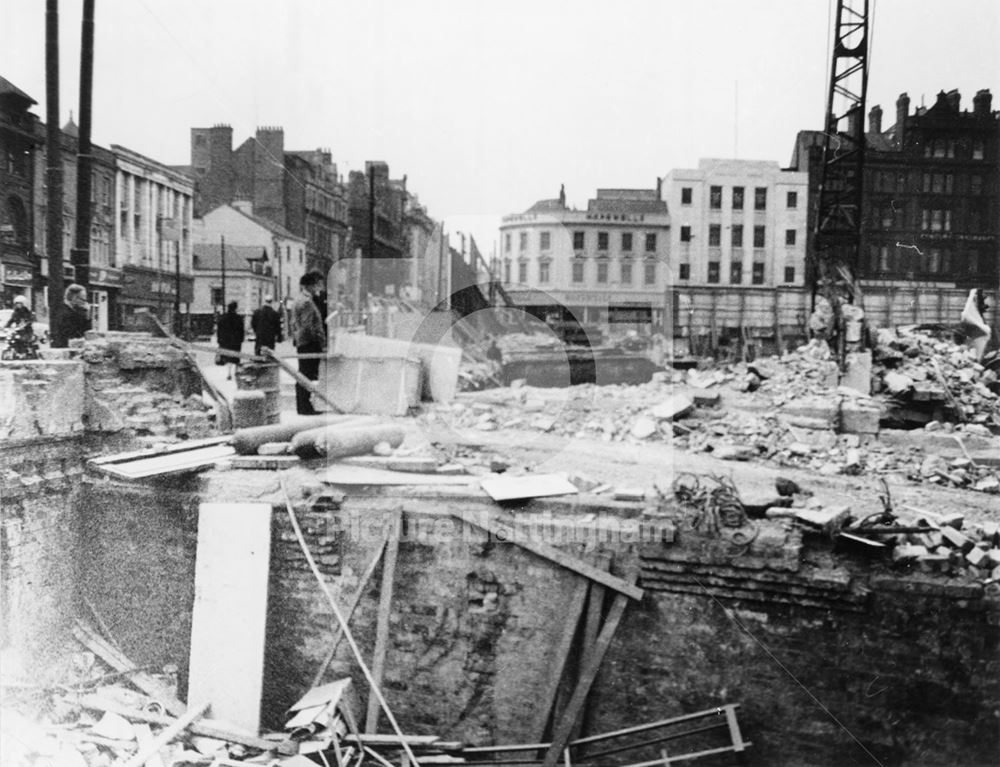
[[41, 329]]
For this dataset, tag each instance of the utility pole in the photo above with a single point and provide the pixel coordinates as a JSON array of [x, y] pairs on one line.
[[84, 160], [369, 281], [222, 239], [53, 171], [177, 286]]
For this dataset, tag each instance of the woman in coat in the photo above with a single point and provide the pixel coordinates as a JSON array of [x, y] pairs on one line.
[[229, 333]]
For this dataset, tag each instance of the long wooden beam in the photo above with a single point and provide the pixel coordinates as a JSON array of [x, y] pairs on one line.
[[301, 379], [553, 554], [382, 625]]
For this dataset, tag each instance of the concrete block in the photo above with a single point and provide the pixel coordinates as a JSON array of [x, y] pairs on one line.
[[956, 540], [977, 557], [859, 417], [908, 553], [829, 519], [823, 408], [897, 383], [705, 397], [858, 375], [988, 485], [732, 453], [934, 562], [955, 520], [674, 406], [643, 428]]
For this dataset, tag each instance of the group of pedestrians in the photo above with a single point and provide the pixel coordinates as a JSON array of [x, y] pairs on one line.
[[307, 320], [71, 321]]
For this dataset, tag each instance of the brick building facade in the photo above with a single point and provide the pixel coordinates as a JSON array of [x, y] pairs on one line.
[[18, 138]]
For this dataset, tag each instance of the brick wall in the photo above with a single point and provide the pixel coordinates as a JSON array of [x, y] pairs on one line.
[[38, 536], [819, 651]]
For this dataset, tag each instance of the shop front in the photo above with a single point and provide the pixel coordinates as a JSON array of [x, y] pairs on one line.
[[149, 291], [105, 290]]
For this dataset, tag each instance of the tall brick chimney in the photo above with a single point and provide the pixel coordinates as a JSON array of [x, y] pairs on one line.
[[875, 119], [982, 103], [902, 110], [954, 99]]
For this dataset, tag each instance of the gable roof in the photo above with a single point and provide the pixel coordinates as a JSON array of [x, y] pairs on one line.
[[265, 223], [208, 257], [7, 88]]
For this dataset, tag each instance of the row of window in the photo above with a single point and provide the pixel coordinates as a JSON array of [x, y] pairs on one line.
[[903, 259], [580, 241], [736, 198], [736, 235], [889, 215], [947, 148], [933, 183], [625, 272], [735, 273]]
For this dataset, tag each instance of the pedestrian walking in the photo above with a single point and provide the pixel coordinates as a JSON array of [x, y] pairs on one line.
[[230, 334], [266, 324], [74, 318], [308, 335]]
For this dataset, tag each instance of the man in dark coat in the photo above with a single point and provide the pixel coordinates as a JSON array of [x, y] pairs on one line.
[[309, 336], [74, 318], [266, 324], [230, 335]]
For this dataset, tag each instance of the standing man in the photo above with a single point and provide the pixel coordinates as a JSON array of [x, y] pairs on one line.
[[74, 319], [230, 333], [308, 335], [266, 324]]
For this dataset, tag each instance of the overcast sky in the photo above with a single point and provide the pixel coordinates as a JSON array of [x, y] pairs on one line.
[[489, 106]]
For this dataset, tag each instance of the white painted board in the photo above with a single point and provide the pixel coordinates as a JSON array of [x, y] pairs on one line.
[[230, 610], [504, 488]]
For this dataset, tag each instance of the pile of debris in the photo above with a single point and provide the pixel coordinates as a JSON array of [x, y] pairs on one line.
[[927, 380]]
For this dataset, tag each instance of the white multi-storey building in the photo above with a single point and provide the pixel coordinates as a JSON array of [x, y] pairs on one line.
[[606, 265], [152, 237], [738, 246]]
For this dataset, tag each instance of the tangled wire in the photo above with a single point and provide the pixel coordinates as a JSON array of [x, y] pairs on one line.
[[716, 504]]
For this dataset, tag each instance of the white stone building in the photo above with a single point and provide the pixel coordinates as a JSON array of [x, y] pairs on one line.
[[607, 266], [152, 236]]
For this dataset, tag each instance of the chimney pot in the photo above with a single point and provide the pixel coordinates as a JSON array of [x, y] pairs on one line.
[[875, 119]]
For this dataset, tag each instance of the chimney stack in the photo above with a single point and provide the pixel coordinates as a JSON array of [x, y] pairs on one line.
[[875, 119], [902, 111], [982, 103], [854, 117], [954, 99]]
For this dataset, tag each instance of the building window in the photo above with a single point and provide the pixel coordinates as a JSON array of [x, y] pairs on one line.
[[685, 195], [602, 240], [578, 240], [685, 234], [543, 272], [578, 271], [506, 271], [522, 271], [737, 235], [651, 243], [789, 274], [713, 271], [760, 198], [649, 273], [602, 271], [715, 197], [978, 150], [792, 200], [544, 241], [714, 235], [684, 272], [737, 198], [736, 272], [522, 242], [217, 297], [758, 236], [975, 184], [506, 243], [758, 273], [626, 241], [626, 271], [789, 237]]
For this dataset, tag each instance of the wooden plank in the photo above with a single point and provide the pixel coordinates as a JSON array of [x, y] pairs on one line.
[[558, 659], [565, 727], [172, 463], [561, 558], [230, 609], [591, 630], [382, 625], [505, 488], [120, 662], [167, 734], [155, 451], [204, 727], [338, 633], [346, 474], [301, 379]]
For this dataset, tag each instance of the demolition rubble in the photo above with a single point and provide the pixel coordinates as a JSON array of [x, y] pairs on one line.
[[753, 460]]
